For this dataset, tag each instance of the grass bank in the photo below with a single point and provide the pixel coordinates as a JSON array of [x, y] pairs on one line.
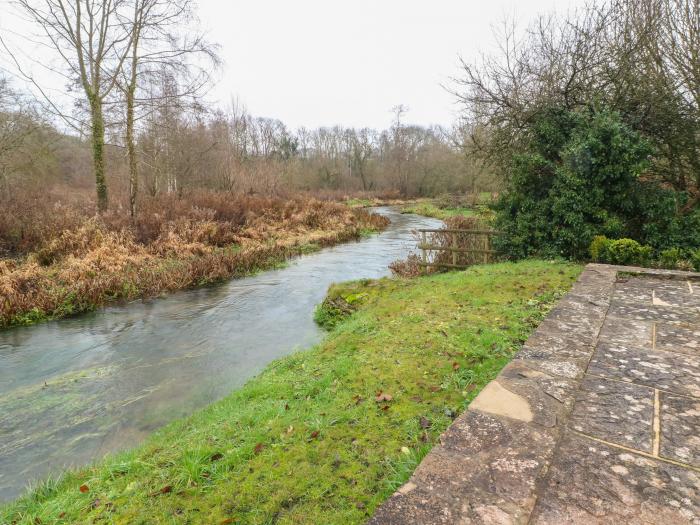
[[324, 435], [430, 209], [448, 206], [83, 261]]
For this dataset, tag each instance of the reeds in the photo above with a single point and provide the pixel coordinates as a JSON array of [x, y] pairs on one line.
[[471, 248], [75, 265]]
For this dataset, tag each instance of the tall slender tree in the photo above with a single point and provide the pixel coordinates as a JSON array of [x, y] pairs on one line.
[[92, 43]]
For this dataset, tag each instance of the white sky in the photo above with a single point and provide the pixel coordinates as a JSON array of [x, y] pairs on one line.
[[327, 62]]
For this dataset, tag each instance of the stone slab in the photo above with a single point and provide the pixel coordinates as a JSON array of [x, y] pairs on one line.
[[627, 332], [639, 312], [670, 371], [680, 429], [621, 413], [484, 471], [592, 483], [683, 338]]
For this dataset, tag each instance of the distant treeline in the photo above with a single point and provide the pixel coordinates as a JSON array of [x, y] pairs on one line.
[[181, 147]]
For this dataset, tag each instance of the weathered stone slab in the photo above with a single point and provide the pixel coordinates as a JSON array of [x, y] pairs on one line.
[[559, 361], [627, 332], [634, 290], [680, 429], [654, 312], [621, 413], [548, 398], [670, 371], [679, 294], [656, 292], [484, 471], [592, 483], [683, 338]]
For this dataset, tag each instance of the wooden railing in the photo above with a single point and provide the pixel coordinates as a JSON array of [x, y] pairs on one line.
[[454, 249]]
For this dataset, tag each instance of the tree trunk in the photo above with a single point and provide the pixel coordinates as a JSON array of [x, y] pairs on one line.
[[131, 148], [98, 145]]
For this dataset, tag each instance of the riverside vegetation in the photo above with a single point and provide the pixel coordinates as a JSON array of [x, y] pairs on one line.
[[83, 261], [324, 435]]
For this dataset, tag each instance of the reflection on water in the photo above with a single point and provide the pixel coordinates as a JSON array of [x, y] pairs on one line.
[[75, 389]]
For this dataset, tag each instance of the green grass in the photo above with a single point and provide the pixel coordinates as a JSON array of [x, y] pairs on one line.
[[359, 203], [429, 209], [307, 441]]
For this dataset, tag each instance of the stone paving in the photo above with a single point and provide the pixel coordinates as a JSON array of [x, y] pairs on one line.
[[595, 421]]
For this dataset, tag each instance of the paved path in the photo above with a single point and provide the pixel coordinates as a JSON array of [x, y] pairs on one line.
[[595, 421]]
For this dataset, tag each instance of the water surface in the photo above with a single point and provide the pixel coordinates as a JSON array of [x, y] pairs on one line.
[[75, 389]]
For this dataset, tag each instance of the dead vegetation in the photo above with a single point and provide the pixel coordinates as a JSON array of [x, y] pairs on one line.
[[77, 260], [411, 266]]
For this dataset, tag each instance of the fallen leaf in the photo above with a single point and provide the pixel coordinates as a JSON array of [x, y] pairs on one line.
[[435, 388], [258, 448], [217, 456], [405, 450], [227, 521], [455, 366], [424, 437], [314, 434], [166, 490], [286, 407], [290, 429], [382, 397], [425, 422], [385, 407], [84, 489]]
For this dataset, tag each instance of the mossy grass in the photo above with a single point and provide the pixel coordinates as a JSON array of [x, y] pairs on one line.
[[430, 209], [323, 435]]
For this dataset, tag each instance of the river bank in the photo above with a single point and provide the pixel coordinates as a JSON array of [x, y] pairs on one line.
[[75, 389], [324, 435], [93, 262]]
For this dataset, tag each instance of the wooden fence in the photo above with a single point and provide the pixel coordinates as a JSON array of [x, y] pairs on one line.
[[478, 246]]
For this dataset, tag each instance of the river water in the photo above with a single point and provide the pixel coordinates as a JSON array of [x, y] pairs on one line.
[[76, 389]]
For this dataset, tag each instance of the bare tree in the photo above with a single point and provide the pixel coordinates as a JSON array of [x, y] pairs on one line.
[[92, 43], [17, 123], [157, 47], [360, 148]]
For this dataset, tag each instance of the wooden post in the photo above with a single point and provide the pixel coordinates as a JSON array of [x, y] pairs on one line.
[[454, 245], [424, 243], [488, 247]]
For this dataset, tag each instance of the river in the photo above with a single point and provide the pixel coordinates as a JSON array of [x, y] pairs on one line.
[[76, 389]]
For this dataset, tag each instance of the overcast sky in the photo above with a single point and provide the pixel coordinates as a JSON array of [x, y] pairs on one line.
[[326, 62]]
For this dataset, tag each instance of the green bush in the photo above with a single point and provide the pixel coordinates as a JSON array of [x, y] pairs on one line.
[[670, 258], [598, 247], [695, 259], [626, 252], [579, 176]]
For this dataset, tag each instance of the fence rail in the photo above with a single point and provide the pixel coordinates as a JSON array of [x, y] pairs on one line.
[[454, 248]]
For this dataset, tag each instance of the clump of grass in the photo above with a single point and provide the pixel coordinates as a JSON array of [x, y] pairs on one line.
[[324, 435], [449, 206], [174, 244]]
